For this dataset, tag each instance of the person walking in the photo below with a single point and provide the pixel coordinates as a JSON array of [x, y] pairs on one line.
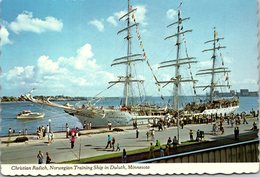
[[137, 133], [124, 157], [72, 141], [169, 142], [109, 139], [48, 158], [40, 157], [118, 147], [147, 135], [113, 143]]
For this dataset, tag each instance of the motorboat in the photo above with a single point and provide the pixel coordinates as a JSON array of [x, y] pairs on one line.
[[27, 114]]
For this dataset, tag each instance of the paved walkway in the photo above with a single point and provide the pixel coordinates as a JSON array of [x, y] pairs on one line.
[[93, 142]]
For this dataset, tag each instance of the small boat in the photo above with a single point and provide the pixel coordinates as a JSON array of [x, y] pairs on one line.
[[27, 114]]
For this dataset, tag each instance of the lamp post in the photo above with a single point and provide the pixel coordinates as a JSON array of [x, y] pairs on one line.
[[49, 130]]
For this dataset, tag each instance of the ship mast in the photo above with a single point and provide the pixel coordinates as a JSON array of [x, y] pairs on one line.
[[177, 63], [128, 60], [214, 70]]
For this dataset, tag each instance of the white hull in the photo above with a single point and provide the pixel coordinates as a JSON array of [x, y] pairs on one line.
[[227, 111], [31, 116], [115, 116]]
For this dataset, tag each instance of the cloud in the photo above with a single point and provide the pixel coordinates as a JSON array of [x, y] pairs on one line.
[[26, 22], [84, 58], [65, 75], [98, 24], [20, 73], [4, 36], [47, 66], [112, 20], [140, 15], [171, 14]]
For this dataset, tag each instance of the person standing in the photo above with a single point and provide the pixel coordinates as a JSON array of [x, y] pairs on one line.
[[137, 133], [48, 158], [198, 135], [182, 124], [152, 134], [158, 144], [169, 142], [109, 124], [124, 157], [236, 132], [10, 131], [67, 132], [151, 151], [191, 135], [40, 157], [72, 141]]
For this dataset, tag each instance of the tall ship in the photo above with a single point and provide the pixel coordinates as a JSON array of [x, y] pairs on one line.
[[218, 75], [129, 110]]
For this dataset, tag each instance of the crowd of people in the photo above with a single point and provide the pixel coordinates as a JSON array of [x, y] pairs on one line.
[[217, 121]]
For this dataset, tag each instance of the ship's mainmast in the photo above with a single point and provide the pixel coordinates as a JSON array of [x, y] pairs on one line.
[[177, 63], [214, 70], [128, 60]]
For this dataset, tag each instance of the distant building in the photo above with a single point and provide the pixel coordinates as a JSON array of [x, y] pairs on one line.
[[243, 92]]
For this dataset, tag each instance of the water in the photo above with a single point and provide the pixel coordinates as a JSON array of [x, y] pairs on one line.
[[59, 118]]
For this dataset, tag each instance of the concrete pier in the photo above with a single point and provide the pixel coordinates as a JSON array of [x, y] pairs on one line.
[[92, 142]]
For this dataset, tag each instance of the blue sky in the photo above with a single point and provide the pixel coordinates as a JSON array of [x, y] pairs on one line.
[[67, 46]]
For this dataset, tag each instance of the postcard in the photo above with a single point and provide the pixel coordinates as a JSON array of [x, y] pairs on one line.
[[141, 87]]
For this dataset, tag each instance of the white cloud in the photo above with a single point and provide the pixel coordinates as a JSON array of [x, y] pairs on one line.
[[4, 36], [26, 22], [47, 66], [98, 24], [119, 14], [140, 15], [75, 73], [171, 14], [112, 20], [84, 59], [20, 73]]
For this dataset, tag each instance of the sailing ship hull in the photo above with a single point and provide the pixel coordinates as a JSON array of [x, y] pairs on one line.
[[100, 118], [115, 117]]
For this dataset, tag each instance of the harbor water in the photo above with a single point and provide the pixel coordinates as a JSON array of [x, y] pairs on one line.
[[58, 118]]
